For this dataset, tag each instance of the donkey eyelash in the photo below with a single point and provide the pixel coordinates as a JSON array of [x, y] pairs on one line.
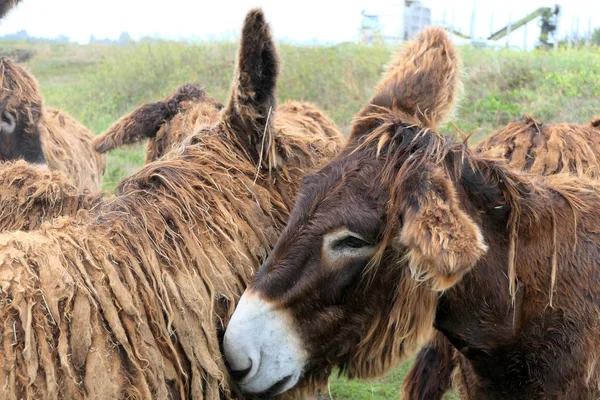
[[352, 242]]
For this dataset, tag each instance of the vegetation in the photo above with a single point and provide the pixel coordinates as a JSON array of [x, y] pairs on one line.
[[97, 84]]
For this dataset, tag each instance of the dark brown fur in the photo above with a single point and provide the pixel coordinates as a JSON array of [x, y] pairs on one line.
[[530, 146], [44, 135], [129, 300], [165, 123], [6, 6], [506, 265]]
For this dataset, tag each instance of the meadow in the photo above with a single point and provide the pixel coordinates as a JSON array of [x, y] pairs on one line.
[[97, 84]]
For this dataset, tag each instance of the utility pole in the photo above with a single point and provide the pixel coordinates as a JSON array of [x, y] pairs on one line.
[[588, 39], [508, 29], [525, 37], [492, 20], [473, 13]]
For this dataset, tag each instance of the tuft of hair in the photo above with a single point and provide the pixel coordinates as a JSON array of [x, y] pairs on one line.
[[67, 147], [145, 121], [420, 85], [19, 94], [6, 6], [546, 149], [32, 195], [252, 98]]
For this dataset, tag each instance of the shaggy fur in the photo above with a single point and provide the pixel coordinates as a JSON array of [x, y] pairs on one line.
[[506, 265], [546, 149], [165, 123], [68, 148], [402, 90], [45, 135], [30, 195], [6, 6], [129, 300], [529, 146]]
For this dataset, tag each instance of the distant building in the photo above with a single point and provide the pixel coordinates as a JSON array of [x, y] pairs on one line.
[[394, 21]]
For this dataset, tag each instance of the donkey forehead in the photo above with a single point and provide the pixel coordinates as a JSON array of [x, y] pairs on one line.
[[341, 194]]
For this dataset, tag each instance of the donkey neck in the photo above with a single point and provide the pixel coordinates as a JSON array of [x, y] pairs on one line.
[[479, 315]]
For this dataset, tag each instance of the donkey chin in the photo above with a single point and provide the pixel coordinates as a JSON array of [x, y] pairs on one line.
[[264, 353]]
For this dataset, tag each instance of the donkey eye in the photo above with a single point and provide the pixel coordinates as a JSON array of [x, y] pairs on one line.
[[352, 242]]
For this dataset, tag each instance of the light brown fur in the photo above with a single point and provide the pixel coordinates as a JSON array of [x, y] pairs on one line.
[[68, 148], [130, 299], [30, 196]]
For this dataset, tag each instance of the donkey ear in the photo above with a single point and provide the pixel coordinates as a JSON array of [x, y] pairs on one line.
[[420, 86], [146, 120], [248, 114], [442, 241]]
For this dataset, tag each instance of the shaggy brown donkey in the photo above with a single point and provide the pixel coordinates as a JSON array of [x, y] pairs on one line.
[[43, 135], [406, 231], [130, 299], [531, 146]]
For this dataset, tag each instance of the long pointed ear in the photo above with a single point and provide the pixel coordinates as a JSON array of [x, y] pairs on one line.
[[146, 120], [441, 240], [419, 87], [249, 113]]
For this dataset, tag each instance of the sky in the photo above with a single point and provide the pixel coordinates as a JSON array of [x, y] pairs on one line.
[[306, 21]]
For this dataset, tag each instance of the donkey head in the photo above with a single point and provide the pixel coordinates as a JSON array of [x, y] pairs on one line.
[[374, 236], [21, 109]]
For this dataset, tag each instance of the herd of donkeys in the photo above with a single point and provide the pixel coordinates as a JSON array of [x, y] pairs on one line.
[[259, 249]]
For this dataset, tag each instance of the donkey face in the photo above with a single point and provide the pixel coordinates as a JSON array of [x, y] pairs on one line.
[[20, 110], [353, 280]]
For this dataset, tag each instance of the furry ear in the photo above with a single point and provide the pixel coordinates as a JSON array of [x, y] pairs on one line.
[[419, 87], [595, 123], [249, 113], [441, 240], [6, 6], [146, 120]]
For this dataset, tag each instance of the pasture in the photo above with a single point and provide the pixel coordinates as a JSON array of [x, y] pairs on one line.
[[97, 84]]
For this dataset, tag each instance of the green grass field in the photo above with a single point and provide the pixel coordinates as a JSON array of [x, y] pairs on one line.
[[98, 84]]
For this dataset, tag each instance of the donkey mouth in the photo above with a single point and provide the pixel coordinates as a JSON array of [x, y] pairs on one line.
[[278, 387]]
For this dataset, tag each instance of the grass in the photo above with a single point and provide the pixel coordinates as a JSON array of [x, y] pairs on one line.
[[98, 84]]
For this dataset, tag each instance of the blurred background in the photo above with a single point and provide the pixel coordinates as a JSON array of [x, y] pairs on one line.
[[306, 22], [99, 60]]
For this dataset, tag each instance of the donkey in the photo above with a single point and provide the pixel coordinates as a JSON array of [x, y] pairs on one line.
[[407, 231], [130, 299], [43, 135], [527, 145]]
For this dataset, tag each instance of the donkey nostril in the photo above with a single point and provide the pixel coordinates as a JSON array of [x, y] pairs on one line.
[[241, 374]]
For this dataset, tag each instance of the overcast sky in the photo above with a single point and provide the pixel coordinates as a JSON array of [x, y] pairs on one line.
[[297, 21]]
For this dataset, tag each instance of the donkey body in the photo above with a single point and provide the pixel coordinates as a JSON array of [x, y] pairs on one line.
[[407, 231], [129, 299], [530, 146]]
